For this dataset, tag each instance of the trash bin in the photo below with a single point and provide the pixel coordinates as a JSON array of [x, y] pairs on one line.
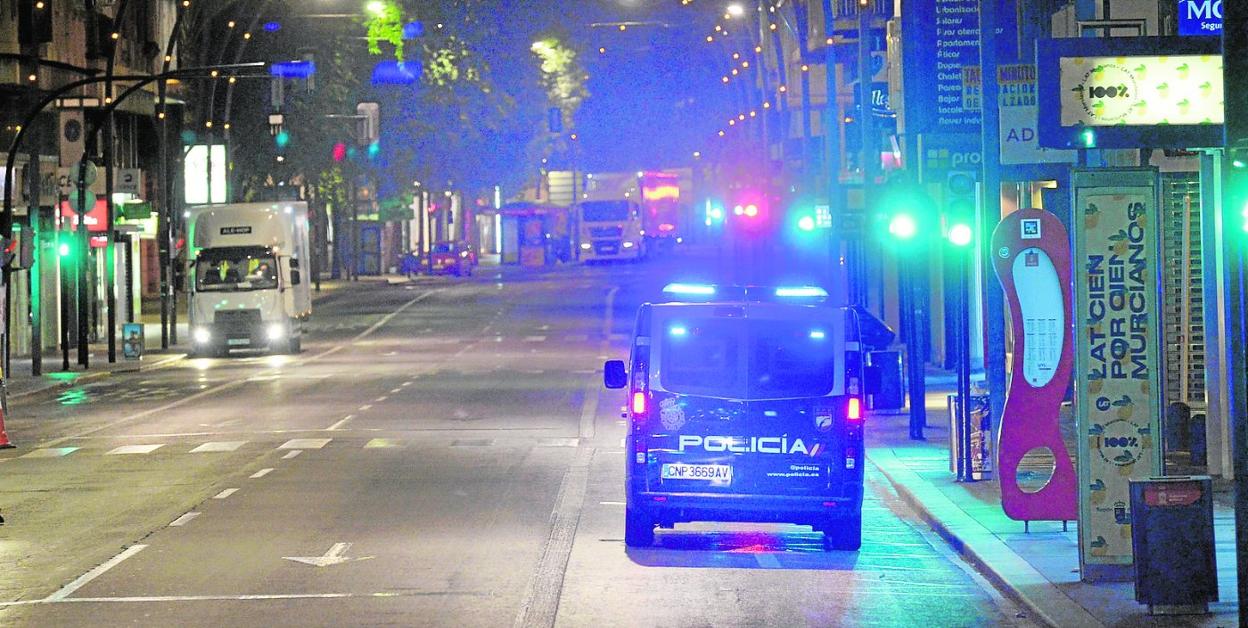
[[1176, 569], [883, 381], [981, 437]]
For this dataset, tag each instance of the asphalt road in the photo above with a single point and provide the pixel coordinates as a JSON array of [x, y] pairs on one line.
[[438, 455]]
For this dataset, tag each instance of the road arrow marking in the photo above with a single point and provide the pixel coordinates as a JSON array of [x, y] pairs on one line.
[[332, 557]]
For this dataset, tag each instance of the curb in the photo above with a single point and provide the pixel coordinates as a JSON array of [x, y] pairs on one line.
[[1008, 571], [164, 362]]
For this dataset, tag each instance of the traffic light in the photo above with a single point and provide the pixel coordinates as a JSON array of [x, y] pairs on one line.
[[374, 149], [339, 152], [282, 139], [903, 226], [960, 207], [1087, 137]]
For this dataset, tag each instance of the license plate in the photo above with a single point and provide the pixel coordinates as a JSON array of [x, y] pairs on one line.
[[720, 473], [609, 250], [234, 342]]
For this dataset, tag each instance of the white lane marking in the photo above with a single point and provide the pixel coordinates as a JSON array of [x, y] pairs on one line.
[[535, 339], [533, 371], [381, 399], [292, 454], [334, 556], [219, 446], [261, 473], [305, 443], [85, 578], [767, 561], [394, 391], [341, 423], [226, 493], [559, 442], [206, 598], [405, 384], [134, 449], [183, 520], [50, 452], [383, 443], [544, 328], [216, 390], [612, 503], [498, 338], [366, 407]]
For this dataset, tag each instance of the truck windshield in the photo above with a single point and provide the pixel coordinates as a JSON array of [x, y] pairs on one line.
[[605, 211], [235, 269], [747, 359]]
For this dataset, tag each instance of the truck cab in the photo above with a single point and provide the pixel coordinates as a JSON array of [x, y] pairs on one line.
[[247, 289]]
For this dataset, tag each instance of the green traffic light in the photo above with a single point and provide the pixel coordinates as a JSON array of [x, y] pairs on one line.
[[960, 235], [806, 223], [282, 138], [63, 250], [374, 150], [1088, 136], [903, 227]]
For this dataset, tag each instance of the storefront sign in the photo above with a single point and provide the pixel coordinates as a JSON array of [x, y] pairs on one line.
[[946, 32], [1130, 92], [1140, 91], [1117, 369], [1020, 119], [1019, 115], [1200, 17], [1032, 260]]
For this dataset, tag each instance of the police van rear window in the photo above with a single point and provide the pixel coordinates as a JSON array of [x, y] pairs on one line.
[[747, 358]]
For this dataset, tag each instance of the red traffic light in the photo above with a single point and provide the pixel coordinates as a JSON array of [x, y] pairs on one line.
[[340, 152]]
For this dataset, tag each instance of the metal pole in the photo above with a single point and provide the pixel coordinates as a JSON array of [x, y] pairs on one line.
[[915, 349], [36, 269], [84, 253], [110, 251], [1235, 199], [993, 296], [870, 142], [964, 363], [163, 214]]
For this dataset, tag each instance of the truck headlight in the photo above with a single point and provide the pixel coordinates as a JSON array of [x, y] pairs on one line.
[[276, 331], [585, 246], [629, 245], [201, 335]]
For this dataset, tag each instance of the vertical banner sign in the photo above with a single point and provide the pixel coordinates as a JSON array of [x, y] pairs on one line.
[[1117, 344], [1032, 260], [132, 341]]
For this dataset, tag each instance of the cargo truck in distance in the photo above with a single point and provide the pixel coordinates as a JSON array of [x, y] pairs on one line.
[[246, 283]]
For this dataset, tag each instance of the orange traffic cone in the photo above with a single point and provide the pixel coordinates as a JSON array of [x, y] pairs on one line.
[[4, 406]]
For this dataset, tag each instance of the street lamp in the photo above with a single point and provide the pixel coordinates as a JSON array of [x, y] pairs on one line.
[[960, 235], [736, 10], [376, 7]]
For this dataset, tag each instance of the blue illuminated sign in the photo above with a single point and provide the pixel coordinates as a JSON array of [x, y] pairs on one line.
[[1200, 17], [293, 69]]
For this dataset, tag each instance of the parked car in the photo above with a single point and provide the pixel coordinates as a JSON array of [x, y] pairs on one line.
[[456, 258]]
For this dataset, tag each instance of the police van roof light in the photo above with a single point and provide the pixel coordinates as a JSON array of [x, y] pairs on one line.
[[689, 289], [801, 292]]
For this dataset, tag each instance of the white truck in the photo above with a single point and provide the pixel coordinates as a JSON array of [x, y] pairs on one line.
[[246, 265]]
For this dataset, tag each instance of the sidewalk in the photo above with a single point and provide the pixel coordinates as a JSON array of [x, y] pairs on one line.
[[21, 384], [1040, 568]]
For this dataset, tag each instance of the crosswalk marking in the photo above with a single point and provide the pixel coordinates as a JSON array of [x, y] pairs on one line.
[[125, 450], [294, 453], [226, 493], [261, 473], [380, 443], [52, 452], [535, 339], [305, 443], [219, 446], [558, 442]]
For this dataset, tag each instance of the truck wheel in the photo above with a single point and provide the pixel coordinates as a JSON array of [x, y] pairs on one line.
[[638, 530], [843, 534]]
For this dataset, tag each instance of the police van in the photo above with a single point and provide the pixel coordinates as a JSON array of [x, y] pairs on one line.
[[744, 404]]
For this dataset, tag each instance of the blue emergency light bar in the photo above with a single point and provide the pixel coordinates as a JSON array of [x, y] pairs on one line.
[[702, 292], [801, 292], [689, 289]]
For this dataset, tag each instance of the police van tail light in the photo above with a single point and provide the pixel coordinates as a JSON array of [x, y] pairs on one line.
[[640, 404], [853, 410]]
